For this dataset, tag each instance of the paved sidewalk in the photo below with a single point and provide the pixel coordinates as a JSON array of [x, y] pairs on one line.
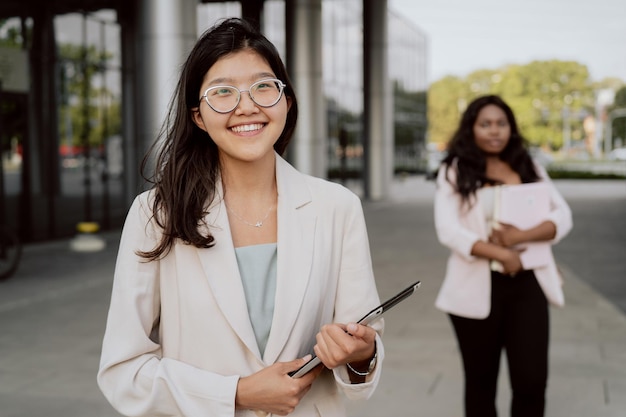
[[423, 374], [52, 318]]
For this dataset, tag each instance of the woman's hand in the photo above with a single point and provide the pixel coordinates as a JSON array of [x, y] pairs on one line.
[[272, 390], [338, 344], [511, 262], [506, 235], [508, 257]]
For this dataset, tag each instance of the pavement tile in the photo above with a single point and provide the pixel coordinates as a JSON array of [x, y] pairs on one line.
[[52, 316]]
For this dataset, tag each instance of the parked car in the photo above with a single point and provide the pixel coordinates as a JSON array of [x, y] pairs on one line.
[[617, 154]]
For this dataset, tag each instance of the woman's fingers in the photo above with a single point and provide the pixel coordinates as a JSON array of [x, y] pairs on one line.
[[338, 344]]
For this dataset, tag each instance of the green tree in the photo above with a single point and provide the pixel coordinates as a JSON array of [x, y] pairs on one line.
[[550, 100], [78, 68], [73, 79], [13, 112], [446, 101], [12, 34]]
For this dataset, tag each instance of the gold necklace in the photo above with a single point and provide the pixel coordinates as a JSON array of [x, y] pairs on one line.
[[258, 223]]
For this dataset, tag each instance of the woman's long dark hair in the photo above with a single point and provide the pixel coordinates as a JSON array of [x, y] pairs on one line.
[[470, 162], [187, 164]]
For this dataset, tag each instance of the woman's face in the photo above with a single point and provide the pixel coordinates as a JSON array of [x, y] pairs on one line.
[[492, 130], [248, 133]]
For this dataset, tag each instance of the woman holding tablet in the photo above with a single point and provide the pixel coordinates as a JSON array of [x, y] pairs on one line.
[[232, 266]]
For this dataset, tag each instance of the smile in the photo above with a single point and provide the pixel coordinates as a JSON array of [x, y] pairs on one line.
[[247, 128]]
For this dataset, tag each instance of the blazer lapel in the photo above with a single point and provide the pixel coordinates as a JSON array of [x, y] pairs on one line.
[[296, 232], [222, 273]]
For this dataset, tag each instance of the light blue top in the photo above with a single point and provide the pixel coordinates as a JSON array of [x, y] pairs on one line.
[[257, 267]]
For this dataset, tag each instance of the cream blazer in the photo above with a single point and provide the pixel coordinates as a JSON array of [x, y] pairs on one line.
[[466, 289], [178, 335]]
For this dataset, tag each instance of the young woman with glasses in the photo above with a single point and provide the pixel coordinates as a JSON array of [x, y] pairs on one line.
[[235, 267]]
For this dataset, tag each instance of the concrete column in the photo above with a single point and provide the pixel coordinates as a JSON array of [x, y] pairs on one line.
[[42, 141], [252, 10], [378, 101], [166, 32], [304, 63], [130, 143], [40, 60]]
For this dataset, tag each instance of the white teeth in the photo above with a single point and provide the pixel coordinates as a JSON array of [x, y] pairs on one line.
[[247, 128]]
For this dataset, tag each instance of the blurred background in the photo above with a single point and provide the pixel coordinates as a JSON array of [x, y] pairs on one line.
[[84, 85]]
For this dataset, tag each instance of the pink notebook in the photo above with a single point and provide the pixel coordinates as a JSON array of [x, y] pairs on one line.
[[525, 206]]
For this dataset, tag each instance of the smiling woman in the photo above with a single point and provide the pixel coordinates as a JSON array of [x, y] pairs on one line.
[[233, 244], [242, 128]]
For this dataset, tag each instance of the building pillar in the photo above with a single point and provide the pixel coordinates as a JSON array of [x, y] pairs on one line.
[[166, 32], [42, 140], [130, 143], [304, 64], [252, 11], [378, 131]]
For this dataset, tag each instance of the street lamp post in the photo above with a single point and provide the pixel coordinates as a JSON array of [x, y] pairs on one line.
[[2, 208], [567, 122], [608, 138], [87, 240]]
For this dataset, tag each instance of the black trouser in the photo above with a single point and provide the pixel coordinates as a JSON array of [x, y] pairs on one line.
[[519, 323]]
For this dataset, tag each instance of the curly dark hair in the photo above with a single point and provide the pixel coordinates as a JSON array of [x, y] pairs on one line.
[[187, 167], [469, 161]]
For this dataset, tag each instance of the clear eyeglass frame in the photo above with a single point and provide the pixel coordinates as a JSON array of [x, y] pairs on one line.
[[280, 85]]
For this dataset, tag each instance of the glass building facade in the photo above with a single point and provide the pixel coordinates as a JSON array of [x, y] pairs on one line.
[[342, 54], [78, 174]]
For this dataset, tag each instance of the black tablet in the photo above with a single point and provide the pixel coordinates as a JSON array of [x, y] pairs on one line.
[[373, 315]]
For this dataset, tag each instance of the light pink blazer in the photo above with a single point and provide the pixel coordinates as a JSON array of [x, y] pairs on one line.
[[205, 341], [466, 289]]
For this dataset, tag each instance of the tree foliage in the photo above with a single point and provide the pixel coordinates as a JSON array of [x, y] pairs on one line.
[[12, 36], [88, 111], [550, 99]]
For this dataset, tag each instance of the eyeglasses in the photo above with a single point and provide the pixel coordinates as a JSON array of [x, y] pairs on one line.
[[225, 98]]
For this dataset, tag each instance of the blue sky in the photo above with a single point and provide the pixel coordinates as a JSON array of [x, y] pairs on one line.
[[466, 35]]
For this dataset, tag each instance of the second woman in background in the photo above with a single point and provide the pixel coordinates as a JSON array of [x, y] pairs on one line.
[[493, 310]]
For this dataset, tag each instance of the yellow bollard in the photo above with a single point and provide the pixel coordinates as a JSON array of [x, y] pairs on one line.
[[87, 239]]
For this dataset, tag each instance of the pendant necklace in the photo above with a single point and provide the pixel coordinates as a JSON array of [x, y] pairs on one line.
[[258, 223]]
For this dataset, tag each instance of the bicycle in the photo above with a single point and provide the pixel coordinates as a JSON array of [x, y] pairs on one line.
[[10, 252]]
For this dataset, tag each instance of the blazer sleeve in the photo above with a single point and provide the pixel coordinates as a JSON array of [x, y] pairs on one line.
[[357, 293], [560, 213], [133, 376], [450, 230]]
